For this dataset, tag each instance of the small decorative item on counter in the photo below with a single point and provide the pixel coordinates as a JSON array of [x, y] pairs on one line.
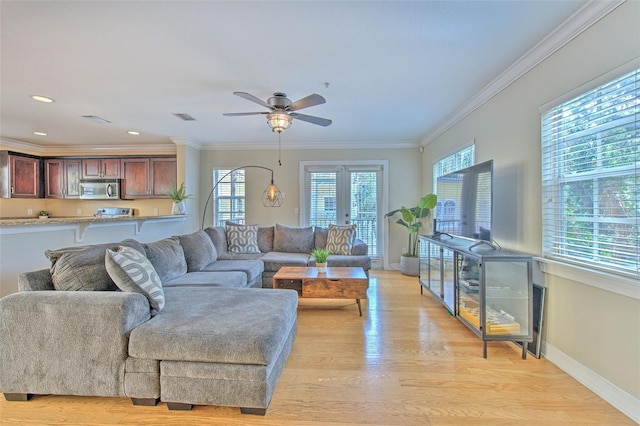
[[178, 195], [43, 214]]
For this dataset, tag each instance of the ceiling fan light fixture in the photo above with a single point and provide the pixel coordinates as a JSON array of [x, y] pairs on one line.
[[279, 121]]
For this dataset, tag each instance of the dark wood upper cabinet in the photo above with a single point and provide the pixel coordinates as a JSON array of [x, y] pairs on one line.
[[62, 178], [20, 176], [147, 177], [101, 168]]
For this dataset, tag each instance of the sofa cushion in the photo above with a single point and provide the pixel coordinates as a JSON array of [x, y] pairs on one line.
[[340, 238], [231, 279], [224, 325], [349, 260], [198, 250], [265, 238], [251, 268], [274, 260], [320, 237], [167, 257], [132, 272], [287, 239], [82, 267], [218, 237], [242, 238]]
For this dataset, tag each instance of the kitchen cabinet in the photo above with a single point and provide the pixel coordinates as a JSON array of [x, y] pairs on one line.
[[489, 290], [101, 168], [20, 176], [148, 177], [62, 178]]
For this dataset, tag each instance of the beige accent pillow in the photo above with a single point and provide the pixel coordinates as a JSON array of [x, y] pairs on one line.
[[133, 272], [340, 238]]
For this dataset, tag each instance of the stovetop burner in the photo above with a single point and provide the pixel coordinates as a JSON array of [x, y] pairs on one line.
[[111, 212]]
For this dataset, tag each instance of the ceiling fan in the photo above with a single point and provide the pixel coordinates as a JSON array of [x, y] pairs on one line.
[[282, 110]]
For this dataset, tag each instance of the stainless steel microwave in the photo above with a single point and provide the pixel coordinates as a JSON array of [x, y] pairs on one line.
[[99, 189]]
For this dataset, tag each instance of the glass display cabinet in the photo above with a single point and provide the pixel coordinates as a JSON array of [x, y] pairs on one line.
[[489, 290]]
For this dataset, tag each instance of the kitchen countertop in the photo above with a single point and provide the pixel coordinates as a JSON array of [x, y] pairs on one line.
[[26, 221]]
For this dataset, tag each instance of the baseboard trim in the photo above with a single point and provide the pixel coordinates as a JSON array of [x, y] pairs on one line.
[[619, 398]]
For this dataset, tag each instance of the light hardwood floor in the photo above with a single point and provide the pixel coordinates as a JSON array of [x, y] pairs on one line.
[[406, 361]]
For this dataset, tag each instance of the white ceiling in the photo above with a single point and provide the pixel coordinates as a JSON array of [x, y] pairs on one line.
[[397, 71]]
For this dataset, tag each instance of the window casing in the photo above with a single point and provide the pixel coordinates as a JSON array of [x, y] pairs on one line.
[[229, 197], [591, 178]]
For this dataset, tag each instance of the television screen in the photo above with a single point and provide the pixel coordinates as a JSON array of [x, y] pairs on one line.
[[465, 202]]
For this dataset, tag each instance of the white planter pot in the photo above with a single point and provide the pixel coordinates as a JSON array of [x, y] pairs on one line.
[[409, 266], [179, 207], [322, 268]]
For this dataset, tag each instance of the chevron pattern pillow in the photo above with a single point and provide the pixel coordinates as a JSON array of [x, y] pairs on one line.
[[133, 272], [340, 238], [242, 238]]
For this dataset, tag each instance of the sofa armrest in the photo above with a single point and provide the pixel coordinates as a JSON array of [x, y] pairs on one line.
[[35, 280], [67, 342], [360, 248]]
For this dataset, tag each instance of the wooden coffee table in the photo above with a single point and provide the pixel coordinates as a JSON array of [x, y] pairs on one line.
[[337, 283]]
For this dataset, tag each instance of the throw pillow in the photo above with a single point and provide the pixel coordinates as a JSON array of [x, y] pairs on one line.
[[290, 239], [167, 257], [82, 268], [132, 272], [199, 250], [340, 238], [242, 238]]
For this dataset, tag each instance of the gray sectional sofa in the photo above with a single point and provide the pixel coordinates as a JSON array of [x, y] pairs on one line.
[[282, 245], [205, 336]]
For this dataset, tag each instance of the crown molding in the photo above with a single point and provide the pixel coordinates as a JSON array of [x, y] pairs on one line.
[[186, 142], [572, 27], [241, 146], [43, 149], [16, 144]]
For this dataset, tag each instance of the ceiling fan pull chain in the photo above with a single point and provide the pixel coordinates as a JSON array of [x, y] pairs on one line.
[[279, 148]]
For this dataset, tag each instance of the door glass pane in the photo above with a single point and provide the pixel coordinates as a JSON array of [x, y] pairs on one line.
[[323, 198], [364, 208]]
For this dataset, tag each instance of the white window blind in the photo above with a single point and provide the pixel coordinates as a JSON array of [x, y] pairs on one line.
[[456, 161], [323, 192], [229, 197], [591, 178]]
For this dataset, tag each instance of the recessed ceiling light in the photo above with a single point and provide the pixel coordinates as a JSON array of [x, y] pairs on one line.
[[42, 98], [40, 133], [134, 133]]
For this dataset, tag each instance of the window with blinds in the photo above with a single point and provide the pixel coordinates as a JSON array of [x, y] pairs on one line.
[[456, 161], [591, 178], [229, 196]]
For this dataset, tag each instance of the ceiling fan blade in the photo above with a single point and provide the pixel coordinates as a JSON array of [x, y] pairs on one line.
[[236, 114], [311, 119], [252, 98], [307, 101]]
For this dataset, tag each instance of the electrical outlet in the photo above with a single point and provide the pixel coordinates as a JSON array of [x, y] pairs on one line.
[[155, 211], [79, 212], [29, 212]]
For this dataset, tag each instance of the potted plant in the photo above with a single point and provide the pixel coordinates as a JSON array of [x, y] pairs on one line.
[[178, 195], [320, 255], [412, 218], [43, 214]]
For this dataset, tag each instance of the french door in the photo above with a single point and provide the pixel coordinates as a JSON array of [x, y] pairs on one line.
[[348, 193]]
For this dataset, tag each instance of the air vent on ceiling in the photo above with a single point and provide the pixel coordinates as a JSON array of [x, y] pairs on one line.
[[184, 116]]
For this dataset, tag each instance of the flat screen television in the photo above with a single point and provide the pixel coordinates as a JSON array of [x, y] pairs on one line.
[[465, 203]]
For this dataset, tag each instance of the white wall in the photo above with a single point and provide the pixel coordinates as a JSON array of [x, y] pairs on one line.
[[593, 331]]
